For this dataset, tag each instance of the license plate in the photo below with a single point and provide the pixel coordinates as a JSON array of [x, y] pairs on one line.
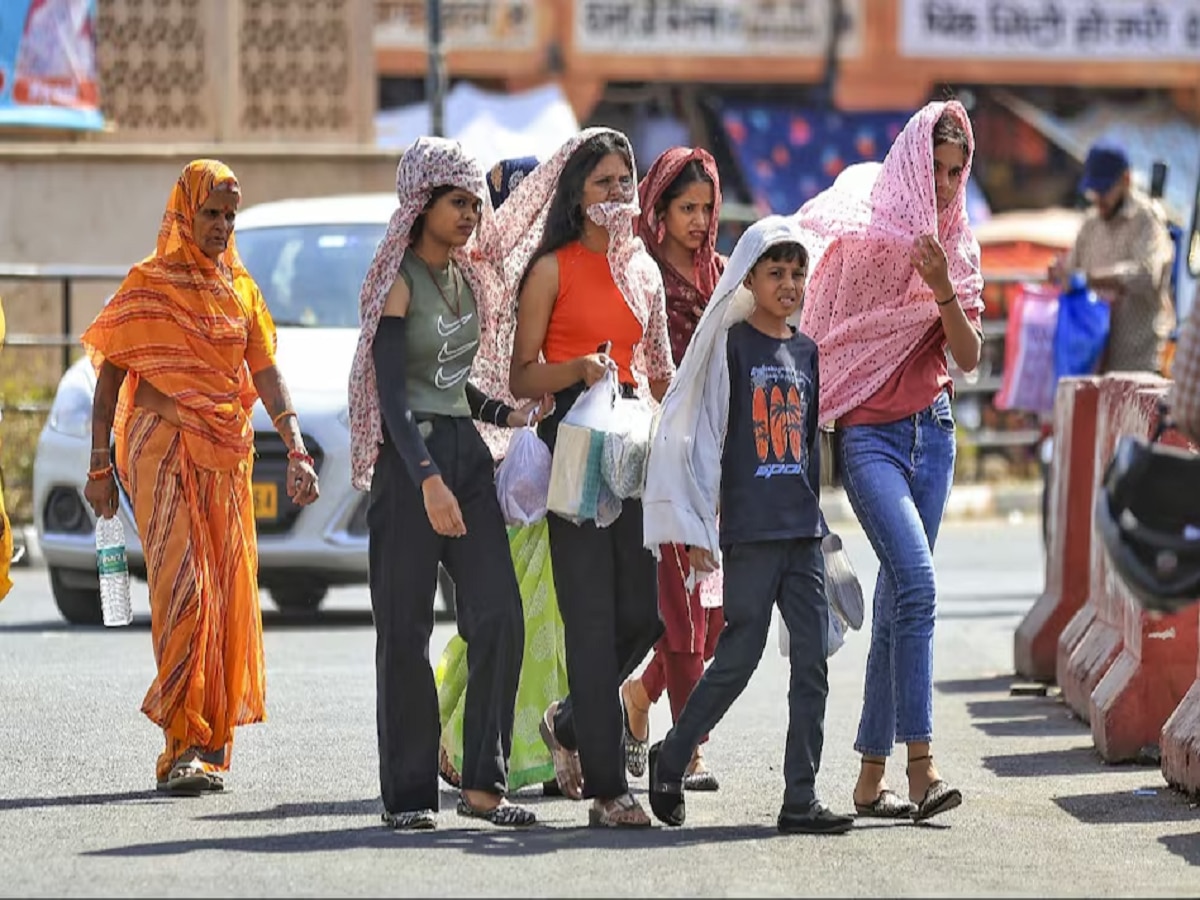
[[266, 501]]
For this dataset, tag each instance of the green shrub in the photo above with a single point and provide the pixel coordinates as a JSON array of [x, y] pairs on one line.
[[24, 407]]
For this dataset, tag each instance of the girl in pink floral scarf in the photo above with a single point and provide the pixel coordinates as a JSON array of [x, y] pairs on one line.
[[896, 285], [433, 496], [589, 298]]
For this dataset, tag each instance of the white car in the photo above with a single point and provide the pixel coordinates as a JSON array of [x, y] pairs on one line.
[[309, 257]]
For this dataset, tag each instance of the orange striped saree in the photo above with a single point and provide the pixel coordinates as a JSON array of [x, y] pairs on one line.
[[6, 538], [195, 333]]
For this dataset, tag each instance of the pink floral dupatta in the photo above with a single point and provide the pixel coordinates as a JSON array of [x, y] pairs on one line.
[[429, 163], [866, 306], [509, 246]]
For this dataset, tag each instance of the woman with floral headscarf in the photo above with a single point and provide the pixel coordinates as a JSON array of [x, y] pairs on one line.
[[415, 447], [589, 299], [544, 663], [680, 201], [897, 283], [183, 350]]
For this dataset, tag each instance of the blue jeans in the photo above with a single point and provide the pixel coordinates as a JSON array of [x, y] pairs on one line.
[[897, 478]]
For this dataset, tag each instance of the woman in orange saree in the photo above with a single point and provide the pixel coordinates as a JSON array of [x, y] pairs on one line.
[[6, 538], [183, 350]]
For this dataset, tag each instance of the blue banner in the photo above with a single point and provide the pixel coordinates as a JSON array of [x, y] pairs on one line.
[[48, 64]]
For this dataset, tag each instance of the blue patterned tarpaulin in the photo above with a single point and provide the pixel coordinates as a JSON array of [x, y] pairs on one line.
[[788, 155]]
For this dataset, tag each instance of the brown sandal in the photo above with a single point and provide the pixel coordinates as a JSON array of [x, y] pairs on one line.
[[187, 777], [567, 769], [619, 812]]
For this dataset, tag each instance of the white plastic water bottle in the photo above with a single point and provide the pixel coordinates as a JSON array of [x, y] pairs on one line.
[[114, 572]]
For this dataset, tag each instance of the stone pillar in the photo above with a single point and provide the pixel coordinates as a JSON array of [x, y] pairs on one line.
[[237, 71]]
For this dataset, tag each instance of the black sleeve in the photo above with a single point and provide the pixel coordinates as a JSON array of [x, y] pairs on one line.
[[485, 409], [389, 352]]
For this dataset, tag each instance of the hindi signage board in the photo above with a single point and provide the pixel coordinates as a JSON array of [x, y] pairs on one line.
[[704, 28], [1052, 30], [502, 25]]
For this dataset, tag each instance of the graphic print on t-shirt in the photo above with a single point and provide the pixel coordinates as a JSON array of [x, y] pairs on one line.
[[443, 379], [777, 410]]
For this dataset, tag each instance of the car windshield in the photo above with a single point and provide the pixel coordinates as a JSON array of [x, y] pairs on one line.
[[310, 275]]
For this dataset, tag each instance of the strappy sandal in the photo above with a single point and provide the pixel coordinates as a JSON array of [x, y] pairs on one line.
[[635, 748], [698, 777], [507, 815], [666, 797], [887, 804], [411, 820], [939, 797], [216, 783], [620, 812], [187, 777], [567, 770], [446, 770]]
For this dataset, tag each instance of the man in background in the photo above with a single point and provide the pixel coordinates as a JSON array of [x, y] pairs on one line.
[[1125, 251]]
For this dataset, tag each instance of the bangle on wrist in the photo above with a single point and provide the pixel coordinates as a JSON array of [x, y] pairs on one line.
[[300, 455], [283, 415], [100, 474], [947, 301]]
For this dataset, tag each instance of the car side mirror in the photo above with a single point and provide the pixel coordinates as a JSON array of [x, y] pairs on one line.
[[1193, 244]]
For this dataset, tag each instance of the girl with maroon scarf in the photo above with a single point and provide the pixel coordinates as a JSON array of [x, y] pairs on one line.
[[680, 198]]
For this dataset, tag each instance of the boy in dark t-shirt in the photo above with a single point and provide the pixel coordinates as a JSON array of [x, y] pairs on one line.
[[764, 373]]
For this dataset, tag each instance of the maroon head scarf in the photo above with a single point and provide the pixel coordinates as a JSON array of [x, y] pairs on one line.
[[683, 296]]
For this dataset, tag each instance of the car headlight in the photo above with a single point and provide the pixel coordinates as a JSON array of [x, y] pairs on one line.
[[71, 412], [344, 416]]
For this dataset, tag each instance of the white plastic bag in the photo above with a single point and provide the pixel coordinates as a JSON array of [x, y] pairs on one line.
[[595, 407], [842, 586], [836, 633], [575, 467], [627, 447], [523, 478]]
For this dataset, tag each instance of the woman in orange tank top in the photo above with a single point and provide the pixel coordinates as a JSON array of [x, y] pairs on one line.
[[591, 298]]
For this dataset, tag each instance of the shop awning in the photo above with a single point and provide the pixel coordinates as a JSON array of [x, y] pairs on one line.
[[1150, 132]]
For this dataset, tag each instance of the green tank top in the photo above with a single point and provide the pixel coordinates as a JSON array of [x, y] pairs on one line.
[[441, 342]]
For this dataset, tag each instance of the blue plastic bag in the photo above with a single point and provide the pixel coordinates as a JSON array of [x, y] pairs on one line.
[[1082, 330]]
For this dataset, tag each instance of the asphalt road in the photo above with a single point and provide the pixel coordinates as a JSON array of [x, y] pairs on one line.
[[1041, 816]]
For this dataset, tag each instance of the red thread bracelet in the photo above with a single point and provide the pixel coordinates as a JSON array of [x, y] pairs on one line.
[[300, 456]]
